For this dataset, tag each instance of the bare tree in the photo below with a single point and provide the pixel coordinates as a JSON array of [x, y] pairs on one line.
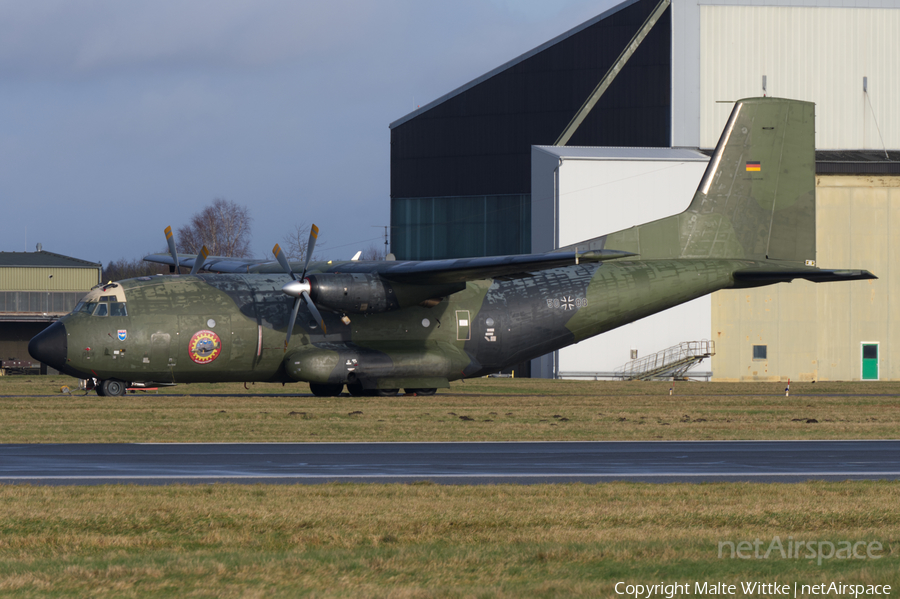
[[294, 243], [373, 252], [223, 227], [129, 269]]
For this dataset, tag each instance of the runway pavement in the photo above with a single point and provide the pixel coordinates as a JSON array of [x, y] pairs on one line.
[[449, 463]]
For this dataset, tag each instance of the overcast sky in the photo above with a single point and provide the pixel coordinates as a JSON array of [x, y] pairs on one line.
[[119, 118]]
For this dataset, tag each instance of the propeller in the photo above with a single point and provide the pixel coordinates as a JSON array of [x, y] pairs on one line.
[[299, 288], [198, 261], [170, 239]]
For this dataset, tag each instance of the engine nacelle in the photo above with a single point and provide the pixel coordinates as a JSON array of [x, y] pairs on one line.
[[370, 294]]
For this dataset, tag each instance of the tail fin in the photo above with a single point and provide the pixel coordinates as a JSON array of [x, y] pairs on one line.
[[756, 200]]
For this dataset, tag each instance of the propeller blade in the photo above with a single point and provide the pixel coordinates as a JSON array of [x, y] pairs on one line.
[[310, 246], [283, 261], [291, 322], [199, 260], [299, 288], [170, 239], [314, 311]]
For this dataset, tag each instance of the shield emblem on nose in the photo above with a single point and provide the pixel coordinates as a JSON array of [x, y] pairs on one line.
[[122, 334]]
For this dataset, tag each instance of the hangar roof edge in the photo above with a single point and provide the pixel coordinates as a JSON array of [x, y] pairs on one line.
[[577, 29], [805, 3], [43, 259], [608, 153]]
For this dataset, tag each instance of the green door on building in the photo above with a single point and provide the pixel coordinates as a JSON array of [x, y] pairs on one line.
[[870, 361]]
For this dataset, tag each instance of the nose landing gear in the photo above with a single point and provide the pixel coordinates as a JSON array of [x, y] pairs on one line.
[[109, 387]]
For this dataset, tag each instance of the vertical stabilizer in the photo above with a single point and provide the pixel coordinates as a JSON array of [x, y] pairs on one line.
[[756, 200]]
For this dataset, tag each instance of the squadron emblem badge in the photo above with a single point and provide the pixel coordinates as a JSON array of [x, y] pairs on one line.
[[204, 347]]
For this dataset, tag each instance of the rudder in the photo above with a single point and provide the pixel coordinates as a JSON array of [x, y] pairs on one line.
[[756, 200]]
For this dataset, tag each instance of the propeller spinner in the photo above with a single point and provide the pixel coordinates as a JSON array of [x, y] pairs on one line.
[[299, 288]]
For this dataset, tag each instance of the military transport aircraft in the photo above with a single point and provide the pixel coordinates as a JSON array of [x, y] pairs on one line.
[[377, 327]]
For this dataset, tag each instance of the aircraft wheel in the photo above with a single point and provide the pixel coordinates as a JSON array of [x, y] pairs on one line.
[[100, 391], [356, 389], [385, 392], [421, 391], [111, 388], [326, 389]]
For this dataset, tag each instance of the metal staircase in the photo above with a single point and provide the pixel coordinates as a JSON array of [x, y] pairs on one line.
[[671, 362]]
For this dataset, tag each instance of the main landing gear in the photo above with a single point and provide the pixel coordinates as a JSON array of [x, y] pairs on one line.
[[356, 390]]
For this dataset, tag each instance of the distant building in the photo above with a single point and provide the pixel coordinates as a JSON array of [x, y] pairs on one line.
[[460, 166], [37, 288]]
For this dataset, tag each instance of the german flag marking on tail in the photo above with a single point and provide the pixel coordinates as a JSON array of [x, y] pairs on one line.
[[753, 167]]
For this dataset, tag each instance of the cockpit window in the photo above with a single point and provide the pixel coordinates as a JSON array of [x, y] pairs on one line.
[[112, 303]]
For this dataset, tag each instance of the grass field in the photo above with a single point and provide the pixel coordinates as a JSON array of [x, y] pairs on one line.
[[32, 410], [430, 540], [426, 540]]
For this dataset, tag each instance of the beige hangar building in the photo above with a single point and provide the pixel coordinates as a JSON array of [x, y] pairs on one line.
[[845, 59], [612, 123], [36, 289]]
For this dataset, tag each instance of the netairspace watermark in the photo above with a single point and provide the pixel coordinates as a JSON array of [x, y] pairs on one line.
[[768, 589], [776, 548], [817, 550]]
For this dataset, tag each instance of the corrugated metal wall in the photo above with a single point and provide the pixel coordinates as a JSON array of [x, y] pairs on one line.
[[38, 279], [815, 331], [817, 54]]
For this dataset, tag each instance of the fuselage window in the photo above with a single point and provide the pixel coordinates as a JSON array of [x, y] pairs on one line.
[[87, 307], [117, 309], [101, 310]]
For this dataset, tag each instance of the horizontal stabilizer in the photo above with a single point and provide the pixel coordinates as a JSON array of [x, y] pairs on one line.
[[768, 274]]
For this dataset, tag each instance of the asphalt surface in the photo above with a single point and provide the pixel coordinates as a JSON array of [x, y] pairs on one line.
[[449, 463]]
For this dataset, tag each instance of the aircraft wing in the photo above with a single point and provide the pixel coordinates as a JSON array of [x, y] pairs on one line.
[[460, 270], [423, 272], [212, 263]]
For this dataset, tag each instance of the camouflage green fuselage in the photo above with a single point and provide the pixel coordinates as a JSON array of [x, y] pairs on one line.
[[489, 325], [419, 324]]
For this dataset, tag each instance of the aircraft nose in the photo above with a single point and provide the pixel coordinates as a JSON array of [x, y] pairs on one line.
[[50, 346]]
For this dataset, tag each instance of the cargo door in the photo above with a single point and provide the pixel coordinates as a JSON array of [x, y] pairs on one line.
[[159, 352]]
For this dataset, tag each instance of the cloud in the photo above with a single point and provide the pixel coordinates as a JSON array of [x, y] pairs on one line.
[[92, 36], [126, 116]]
